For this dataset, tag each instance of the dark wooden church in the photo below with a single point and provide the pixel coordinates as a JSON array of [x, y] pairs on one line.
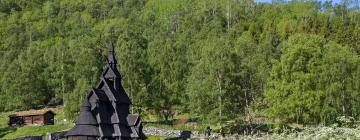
[[104, 113]]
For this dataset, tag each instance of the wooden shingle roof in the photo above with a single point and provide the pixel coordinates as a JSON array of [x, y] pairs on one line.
[[32, 112]]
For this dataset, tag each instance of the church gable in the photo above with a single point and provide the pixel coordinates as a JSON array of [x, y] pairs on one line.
[[116, 96], [110, 73], [100, 95]]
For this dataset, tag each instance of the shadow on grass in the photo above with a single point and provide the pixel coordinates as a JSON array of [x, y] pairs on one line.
[[175, 138], [183, 136], [6, 130], [169, 122]]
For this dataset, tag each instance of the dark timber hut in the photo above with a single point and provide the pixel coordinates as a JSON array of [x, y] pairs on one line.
[[104, 113], [32, 117]]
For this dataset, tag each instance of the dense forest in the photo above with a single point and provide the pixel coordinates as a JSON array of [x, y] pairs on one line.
[[214, 60]]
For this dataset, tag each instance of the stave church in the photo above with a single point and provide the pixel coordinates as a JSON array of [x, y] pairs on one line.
[[104, 113]]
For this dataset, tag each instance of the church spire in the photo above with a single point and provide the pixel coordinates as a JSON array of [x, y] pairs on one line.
[[111, 56]]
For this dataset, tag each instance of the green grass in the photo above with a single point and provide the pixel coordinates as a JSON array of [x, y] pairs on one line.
[[156, 137], [60, 124], [13, 132], [179, 122], [3, 119], [176, 127], [60, 116], [167, 138]]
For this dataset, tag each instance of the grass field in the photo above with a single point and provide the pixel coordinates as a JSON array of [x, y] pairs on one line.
[[13, 132], [61, 124], [176, 126], [165, 138], [157, 137], [333, 132]]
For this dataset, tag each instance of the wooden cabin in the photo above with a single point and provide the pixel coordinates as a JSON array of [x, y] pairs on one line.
[[32, 117]]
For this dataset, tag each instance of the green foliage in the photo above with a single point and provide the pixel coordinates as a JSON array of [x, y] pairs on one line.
[[216, 60], [3, 119], [307, 84], [75, 99]]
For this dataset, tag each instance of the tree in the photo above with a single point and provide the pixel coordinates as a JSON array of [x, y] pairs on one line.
[[167, 75], [75, 99], [339, 80], [132, 53], [291, 88], [213, 84], [25, 86], [313, 82]]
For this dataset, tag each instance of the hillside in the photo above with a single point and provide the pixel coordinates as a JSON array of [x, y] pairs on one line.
[[217, 61]]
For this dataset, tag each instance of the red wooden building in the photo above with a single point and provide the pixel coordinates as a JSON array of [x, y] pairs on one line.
[[32, 117]]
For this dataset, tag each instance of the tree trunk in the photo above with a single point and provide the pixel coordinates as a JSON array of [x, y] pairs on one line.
[[228, 15], [344, 102], [218, 78]]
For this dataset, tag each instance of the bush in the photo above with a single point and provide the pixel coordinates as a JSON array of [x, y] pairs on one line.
[[346, 121]]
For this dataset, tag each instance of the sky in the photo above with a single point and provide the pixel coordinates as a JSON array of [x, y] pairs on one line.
[[334, 1]]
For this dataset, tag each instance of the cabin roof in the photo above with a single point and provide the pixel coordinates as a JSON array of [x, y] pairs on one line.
[[32, 112]]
